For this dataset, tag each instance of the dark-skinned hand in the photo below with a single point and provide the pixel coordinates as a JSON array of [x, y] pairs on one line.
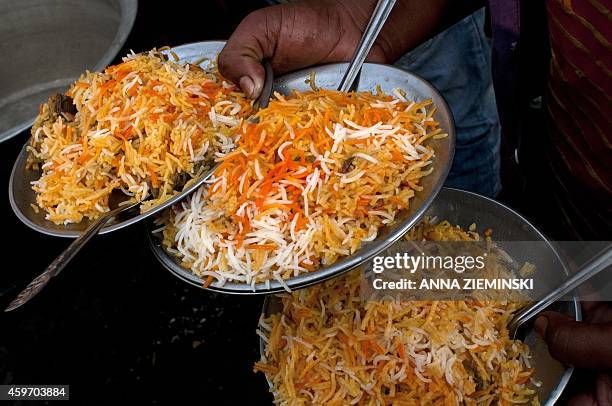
[[586, 345], [312, 32]]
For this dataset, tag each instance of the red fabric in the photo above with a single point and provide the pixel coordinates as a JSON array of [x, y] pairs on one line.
[[579, 105]]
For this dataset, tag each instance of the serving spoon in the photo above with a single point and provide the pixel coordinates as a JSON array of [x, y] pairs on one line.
[[118, 205], [597, 264], [381, 12]]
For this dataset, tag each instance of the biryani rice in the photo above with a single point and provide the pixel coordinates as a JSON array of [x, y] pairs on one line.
[[317, 176], [328, 345], [143, 126]]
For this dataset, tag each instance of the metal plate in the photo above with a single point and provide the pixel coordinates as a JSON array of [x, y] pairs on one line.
[[47, 44], [21, 195], [328, 76], [464, 208]]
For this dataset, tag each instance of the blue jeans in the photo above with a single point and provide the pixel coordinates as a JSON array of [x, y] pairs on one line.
[[457, 63]]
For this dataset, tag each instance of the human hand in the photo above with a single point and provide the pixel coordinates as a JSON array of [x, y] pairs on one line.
[[585, 345], [305, 33]]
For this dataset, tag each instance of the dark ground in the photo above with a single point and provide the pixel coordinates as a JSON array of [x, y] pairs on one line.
[[115, 325]]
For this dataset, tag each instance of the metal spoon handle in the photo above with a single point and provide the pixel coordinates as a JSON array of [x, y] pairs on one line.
[[377, 21], [62, 260], [597, 264], [266, 92]]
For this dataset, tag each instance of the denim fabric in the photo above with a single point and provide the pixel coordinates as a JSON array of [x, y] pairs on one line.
[[457, 63]]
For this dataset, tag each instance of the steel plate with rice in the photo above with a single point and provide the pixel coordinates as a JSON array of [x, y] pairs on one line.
[[144, 126], [329, 344], [322, 182]]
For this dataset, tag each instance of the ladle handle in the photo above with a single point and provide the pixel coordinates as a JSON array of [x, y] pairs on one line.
[[266, 92], [377, 21], [597, 264], [62, 260]]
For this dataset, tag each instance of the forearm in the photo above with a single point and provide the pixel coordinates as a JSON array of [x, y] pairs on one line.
[[410, 23], [414, 21]]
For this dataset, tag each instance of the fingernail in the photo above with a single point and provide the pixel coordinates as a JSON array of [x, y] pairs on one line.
[[540, 325], [247, 85]]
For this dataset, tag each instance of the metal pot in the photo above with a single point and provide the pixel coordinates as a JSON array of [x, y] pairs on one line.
[[47, 44]]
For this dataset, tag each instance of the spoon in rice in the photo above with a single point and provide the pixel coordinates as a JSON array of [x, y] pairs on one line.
[[120, 205], [377, 21], [598, 263]]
